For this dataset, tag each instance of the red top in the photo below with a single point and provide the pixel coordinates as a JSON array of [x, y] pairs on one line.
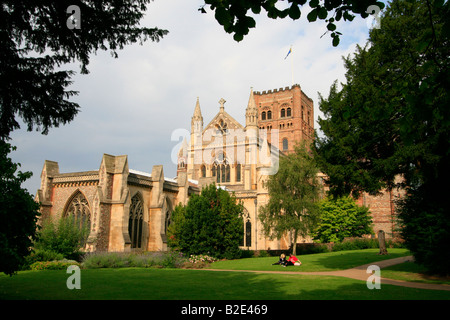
[[293, 259]]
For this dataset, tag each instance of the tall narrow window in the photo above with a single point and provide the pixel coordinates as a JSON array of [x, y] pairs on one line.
[[221, 170], [167, 216], [288, 112], [78, 208], [285, 144], [218, 173], [248, 233], [203, 171], [269, 115], [135, 221], [238, 172], [247, 238], [263, 115], [283, 113], [223, 173]]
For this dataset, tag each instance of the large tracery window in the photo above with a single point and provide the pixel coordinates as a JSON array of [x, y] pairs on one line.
[[135, 221], [221, 128], [221, 169], [78, 208]]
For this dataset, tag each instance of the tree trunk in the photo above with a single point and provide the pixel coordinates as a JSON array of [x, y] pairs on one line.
[[382, 242], [294, 243]]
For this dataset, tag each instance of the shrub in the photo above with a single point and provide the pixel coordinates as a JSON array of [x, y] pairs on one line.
[[201, 258], [53, 265], [130, 259], [312, 248], [41, 255], [341, 218], [356, 244], [63, 236], [104, 260], [209, 223], [425, 228]]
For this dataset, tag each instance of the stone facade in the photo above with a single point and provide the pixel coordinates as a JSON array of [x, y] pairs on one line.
[[105, 198], [240, 158], [130, 210]]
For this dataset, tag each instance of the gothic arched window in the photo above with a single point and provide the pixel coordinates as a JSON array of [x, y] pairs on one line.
[[78, 208], [203, 171], [246, 240], [263, 115], [288, 112], [269, 115], [221, 170], [238, 172], [283, 113], [136, 220], [167, 215]]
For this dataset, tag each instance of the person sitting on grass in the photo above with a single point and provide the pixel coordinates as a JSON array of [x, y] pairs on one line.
[[293, 261], [281, 261]]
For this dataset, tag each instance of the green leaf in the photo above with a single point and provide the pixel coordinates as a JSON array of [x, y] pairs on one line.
[[238, 37], [336, 41], [323, 13], [222, 16], [312, 16], [314, 3], [294, 12], [331, 26]]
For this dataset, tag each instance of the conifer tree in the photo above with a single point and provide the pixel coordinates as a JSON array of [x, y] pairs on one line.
[[388, 125]]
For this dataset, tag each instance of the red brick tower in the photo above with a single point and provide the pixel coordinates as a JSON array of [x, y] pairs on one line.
[[290, 111]]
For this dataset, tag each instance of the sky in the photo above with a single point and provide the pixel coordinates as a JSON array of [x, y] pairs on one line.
[[132, 105]]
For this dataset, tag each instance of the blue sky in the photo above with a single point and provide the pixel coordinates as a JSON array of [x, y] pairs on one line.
[[133, 104]]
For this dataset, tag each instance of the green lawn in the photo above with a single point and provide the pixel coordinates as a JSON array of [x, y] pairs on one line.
[[330, 261], [179, 284]]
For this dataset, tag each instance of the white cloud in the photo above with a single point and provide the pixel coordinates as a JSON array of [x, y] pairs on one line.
[[131, 105]]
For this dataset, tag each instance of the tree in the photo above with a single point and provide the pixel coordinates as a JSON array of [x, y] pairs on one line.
[[388, 127], [64, 236], [211, 223], [340, 218], [235, 17], [18, 214], [38, 37], [294, 194]]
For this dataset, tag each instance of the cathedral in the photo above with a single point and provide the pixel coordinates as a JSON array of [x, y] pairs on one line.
[[131, 210]]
